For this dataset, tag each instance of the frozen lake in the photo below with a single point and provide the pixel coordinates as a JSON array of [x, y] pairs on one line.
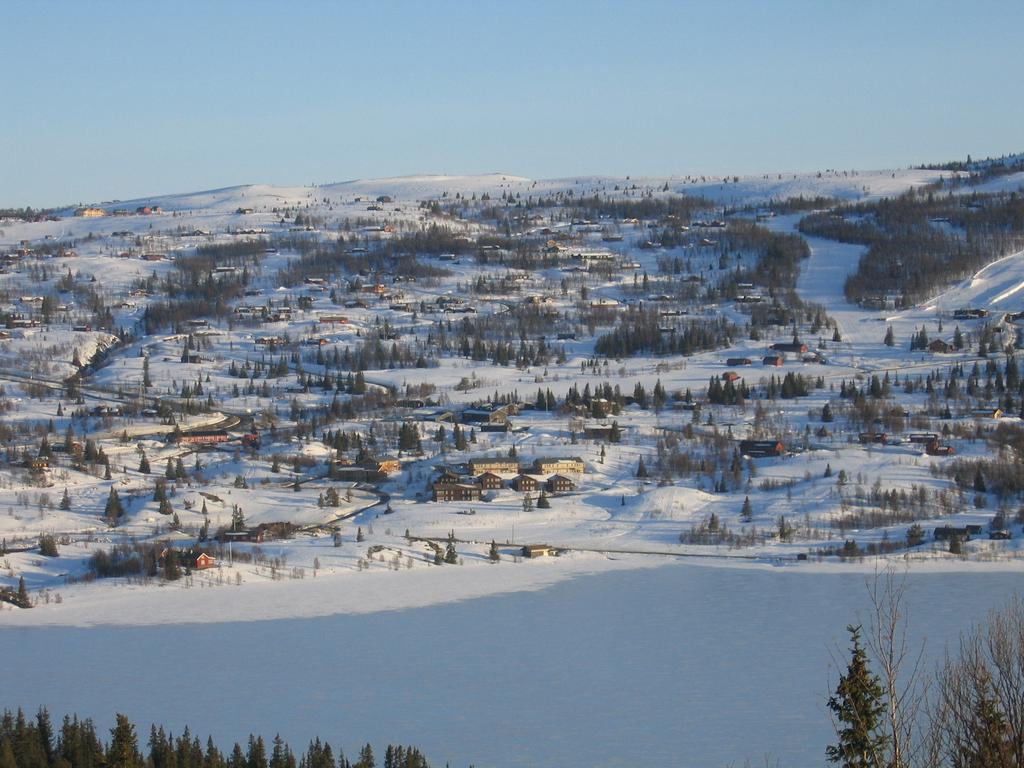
[[679, 665]]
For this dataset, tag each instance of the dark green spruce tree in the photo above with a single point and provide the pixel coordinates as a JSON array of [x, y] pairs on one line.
[[857, 709]]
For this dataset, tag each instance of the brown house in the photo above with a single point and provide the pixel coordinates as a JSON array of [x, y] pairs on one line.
[[202, 437], [253, 535], [772, 361], [384, 466], [761, 448], [456, 492], [523, 483], [598, 431], [787, 346], [940, 346], [490, 481], [560, 484]]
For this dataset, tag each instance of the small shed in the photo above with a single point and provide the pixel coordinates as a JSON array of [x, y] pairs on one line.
[[204, 561], [539, 550]]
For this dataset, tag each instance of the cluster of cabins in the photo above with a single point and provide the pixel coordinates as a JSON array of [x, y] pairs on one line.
[[547, 474], [488, 417], [933, 446], [965, 532], [776, 356]]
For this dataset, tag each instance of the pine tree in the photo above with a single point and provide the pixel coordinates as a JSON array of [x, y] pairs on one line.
[[450, 555], [857, 708], [65, 501], [144, 464], [22, 597], [366, 759], [48, 546], [113, 509], [172, 567], [359, 385], [542, 501], [747, 512], [890, 337], [979, 481], [124, 747], [493, 554], [915, 535], [7, 759], [256, 756], [641, 470]]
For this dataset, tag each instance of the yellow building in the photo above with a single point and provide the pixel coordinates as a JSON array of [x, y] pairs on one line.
[[499, 466], [559, 465]]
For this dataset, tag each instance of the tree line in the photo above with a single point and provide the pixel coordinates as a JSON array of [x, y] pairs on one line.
[[642, 331], [27, 742]]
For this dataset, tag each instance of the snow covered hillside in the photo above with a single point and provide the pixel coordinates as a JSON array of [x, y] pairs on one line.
[[456, 385]]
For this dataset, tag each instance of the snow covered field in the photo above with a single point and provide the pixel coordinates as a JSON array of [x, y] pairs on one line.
[[680, 665]]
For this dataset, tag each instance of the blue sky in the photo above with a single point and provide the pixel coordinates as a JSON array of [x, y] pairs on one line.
[[119, 100]]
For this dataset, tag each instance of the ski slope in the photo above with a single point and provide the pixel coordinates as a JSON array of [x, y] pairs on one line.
[[997, 286]]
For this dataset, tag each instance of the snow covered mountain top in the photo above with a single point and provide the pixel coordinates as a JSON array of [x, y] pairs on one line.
[[847, 185]]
